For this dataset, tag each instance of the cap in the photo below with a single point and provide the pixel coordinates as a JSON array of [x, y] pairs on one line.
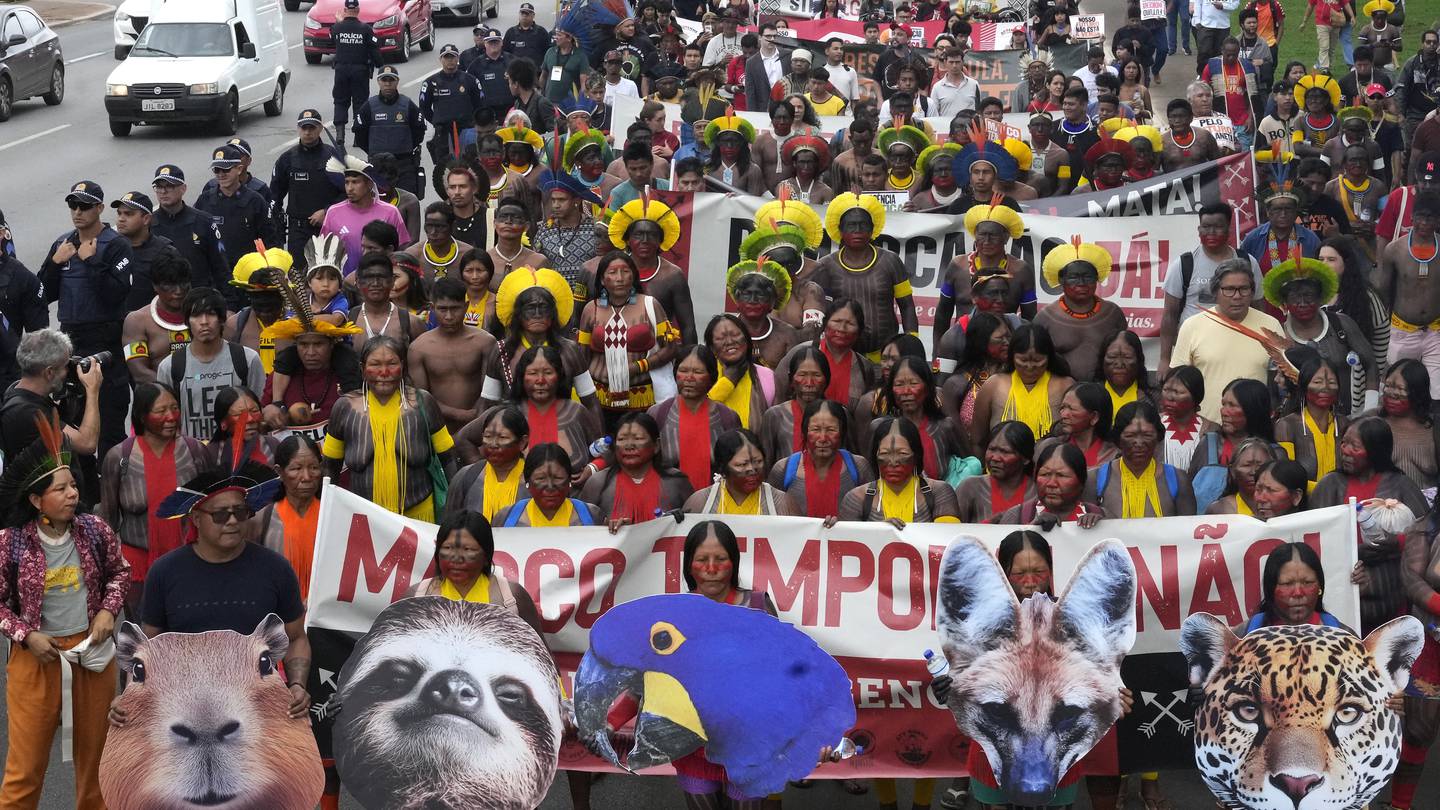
[[524, 7], [352, 3], [492, 34], [1375, 89], [1429, 167], [87, 191], [135, 200], [240, 142], [226, 157], [309, 116], [449, 49], [902, 29], [613, 56], [170, 174], [388, 72], [479, 28], [800, 54]]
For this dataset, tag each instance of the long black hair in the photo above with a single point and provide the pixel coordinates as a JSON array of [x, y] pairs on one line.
[[147, 394], [1379, 443], [929, 404], [1353, 297], [742, 157], [1035, 336], [1254, 400], [551, 356], [697, 535], [478, 527], [1281, 554], [1417, 386], [978, 331], [1129, 338]]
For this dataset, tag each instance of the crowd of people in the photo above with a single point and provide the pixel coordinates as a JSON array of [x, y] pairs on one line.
[[524, 351]]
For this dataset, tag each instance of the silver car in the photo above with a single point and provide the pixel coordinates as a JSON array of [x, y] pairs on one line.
[[31, 63], [464, 10]]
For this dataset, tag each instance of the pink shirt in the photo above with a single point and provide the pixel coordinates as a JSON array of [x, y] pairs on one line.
[[345, 220]]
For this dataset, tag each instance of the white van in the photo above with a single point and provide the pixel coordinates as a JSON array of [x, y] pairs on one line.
[[202, 60]]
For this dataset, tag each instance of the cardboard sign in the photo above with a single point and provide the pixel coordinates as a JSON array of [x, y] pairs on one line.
[[892, 200], [1152, 9], [1000, 130], [1219, 126], [1089, 26]]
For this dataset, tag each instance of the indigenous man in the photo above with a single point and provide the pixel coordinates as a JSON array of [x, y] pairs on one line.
[[1185, 145], [759, 289], [568, 237], [1403, 283], [377, 314], [866, 273], [155, 330], [509, 252], [991, 226], [449, 360]]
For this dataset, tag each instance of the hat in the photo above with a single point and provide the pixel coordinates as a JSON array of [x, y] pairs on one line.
[[1429, 167], [576, 104], [226, 157], [906, 135], [807, 143], [1075, 251], [388, 72], [352, 3], [645, 208], [1317, 81], [1375, 89], [524, 7], [1357, 112], [768, 270], [785, 211], [169, 174], [1110, 145], [86, 191], [997, 212], [493, 34], [801, 54], [136, 201], [1280, 184], [729, 122], [350, 165], [1131, 134], [1378, 5], [521, 279], [243, 145], [309, 116], [45, 456], [947, 150], [1292, 270], [449, 49], [261, 272], [848, 201], [583, 138], [551, 181], [258, 483], [897, 28]]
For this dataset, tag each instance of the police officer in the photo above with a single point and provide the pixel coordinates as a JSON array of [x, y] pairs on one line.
[[357, 53], [391, 122], [241, 215], [193, 233], [134, 218], [448, 100], [247, 179], [489, 71], [527, 40], [87, 270], [22, 305], [300, 178], [469, 55]]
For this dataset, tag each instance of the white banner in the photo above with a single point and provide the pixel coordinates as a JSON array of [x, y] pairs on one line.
[[625, 110], [861, 590], [1152, 9], [1089, 26]]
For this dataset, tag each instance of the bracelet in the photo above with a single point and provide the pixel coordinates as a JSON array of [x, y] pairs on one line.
[[643, 365]]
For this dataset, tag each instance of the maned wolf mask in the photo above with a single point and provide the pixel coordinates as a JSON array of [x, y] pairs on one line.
[[1037, 683]]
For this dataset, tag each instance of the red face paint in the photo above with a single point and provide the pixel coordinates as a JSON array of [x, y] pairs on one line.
[[492, 164], [500, 454], [753, 310], [635, 455], [840, 340], [729, 153], [1395, 406], [459, 570], [1030, 583], [1213, 240], [897, 473], [855, 240], [1321, 399], [1303, 312], [549, 498]]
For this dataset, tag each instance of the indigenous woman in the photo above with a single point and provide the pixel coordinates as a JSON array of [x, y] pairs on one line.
[[289, 526], [1251, 454], [1300, 287], [1405, 405], [1318, 96], [729, 138], [464, 562], [627, 332], [901, 146], [139, 473], [904, 494], [1291, 588], [739, 487], [938, 187], [808, 157], [1244, 413], [1106, 163], [550, 416], [865, 272], [989, 295], [785, 244], [875, 402], [230, 403], [327, 365], [645, 228], [523, 147], [910, 392], [1180, 399], [1122, 367], [47, 545], [1085, 419], [1367, 470], [808, 373], [746, 388], [1312, 436], [534, 307], [691, 414], [1079, 321], [1135, 485], [987, 345], [474, 269], [816, 476], [584, 159], [1035, 379], [512, 218], [850, 371], [547, 477], [1060, 478], [1009, 476], [391, 437], [760, 289], [1281, 488], [992, 228], [496, 481], [636, 488], [407, 290]]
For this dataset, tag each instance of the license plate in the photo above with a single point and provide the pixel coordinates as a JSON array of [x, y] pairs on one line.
[[157, 105]]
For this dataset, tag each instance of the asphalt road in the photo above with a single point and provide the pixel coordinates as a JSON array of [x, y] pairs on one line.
[[43, 150]]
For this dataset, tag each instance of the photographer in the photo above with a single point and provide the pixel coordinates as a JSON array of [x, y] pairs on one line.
[[44, 360]]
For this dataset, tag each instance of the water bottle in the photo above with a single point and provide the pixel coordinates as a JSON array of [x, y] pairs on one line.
[[1370, 530], [937, 666], [845, 749], [600, 446]]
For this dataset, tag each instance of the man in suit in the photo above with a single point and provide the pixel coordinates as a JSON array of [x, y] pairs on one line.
[[764, 69]]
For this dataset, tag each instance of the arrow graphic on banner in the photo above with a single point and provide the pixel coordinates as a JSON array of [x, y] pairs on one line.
[[1153, 699]]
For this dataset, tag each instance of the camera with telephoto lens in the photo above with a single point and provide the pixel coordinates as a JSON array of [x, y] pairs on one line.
[[72, 399]]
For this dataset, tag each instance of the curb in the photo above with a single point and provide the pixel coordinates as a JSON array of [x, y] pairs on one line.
[[58, 21], [82, 18]]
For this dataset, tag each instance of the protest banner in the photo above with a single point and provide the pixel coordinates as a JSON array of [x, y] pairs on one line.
[[1089, 26], [625, 110], [995, 36], [1220, 127], [1152, 9], [892, 200], [865, 592], [854, 31]]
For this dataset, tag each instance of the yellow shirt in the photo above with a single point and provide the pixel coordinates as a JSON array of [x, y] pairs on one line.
[[834, 105], [478, 593], [1221, 353], [537, 518]]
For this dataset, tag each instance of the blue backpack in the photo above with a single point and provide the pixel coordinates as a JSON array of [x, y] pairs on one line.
[[512, 518], [1210, 480], [792, 468]]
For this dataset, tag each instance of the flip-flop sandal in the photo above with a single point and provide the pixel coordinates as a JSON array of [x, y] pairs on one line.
[[954, 798], [855, 787]]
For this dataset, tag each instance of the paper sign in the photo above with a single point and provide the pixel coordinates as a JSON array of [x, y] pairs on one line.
[[1152, 9], [1000, 130], [1089, 26], [892, 200], [1219, 126]]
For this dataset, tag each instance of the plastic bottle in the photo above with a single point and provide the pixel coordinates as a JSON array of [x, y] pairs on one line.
[[937, 666], [845, 749], [1370, 530], [600, 446]]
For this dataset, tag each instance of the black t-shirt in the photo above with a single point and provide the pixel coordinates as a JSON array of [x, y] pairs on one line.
[[17, 420], [185, 594]]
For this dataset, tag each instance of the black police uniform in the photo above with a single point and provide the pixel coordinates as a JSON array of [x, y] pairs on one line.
[[357, 54], [142, 287], [241, 219], [530, 43], [197, 238], [22, 309], [91, 295], [300, 178], [494, 86], [397, 127], [251, 182], [448, 101]]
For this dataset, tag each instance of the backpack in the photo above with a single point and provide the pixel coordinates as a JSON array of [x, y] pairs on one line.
[[1210, 480], [238, 362], [792, 468], [1102, 479]]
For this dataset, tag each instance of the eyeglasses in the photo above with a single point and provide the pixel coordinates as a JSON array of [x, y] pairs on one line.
[[80, 206], [1236, 292], [239, 514]]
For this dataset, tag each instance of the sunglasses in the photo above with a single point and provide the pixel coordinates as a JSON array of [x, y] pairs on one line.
[[80, 206], [239, 514]]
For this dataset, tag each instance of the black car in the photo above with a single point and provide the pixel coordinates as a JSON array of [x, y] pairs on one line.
[[31, 63]]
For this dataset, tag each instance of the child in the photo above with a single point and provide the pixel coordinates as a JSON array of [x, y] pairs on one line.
[[325, 295]]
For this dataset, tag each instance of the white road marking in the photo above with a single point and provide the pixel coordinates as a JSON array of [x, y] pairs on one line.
[[86, 56], [287, 144], [414, 82], [29, 138], [296, 45]]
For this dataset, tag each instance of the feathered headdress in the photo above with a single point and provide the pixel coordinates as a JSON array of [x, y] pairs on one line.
[[766, 269], [848, 201], [326, 250], [784, 210], [729, 122], [1110, 145], [768, 236], [41, 459], [645, 208], [983, 150], [521, 279], [995, 211], [581, 139], [1076, 250], [235, 472], [807, 143], [1293, 270], [591, 21], [338, 167], [1281, 184], [302, 319], [263, 269]]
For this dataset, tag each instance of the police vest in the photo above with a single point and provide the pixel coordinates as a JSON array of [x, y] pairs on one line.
[[390, 125]]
